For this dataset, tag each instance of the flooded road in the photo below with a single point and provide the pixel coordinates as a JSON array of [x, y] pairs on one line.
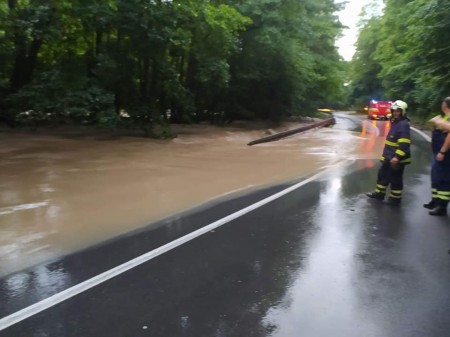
[[62, 194], [313, 257]]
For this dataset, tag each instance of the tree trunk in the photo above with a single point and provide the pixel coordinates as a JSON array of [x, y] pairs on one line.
[[145, 79], [25, 58], [24, 63]]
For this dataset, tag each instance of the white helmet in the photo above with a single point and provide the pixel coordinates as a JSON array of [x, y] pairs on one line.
[[399, 105]]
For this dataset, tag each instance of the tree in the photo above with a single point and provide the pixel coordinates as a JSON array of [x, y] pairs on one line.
[[365, 83], [406, 51], [140, 62], [288, 64]]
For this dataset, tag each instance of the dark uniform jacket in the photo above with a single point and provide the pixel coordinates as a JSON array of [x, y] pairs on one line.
[[440, 169], [398, 142], [438, 138]]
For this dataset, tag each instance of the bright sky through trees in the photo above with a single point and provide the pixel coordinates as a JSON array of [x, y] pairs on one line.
[[349, 17]]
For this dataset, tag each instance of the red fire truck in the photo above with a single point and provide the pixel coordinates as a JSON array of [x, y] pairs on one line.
[[379, 109]]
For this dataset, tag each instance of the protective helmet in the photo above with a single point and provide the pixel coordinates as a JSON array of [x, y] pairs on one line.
[[398, 104]]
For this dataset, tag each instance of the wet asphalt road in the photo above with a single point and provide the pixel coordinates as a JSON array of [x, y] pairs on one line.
[[320, 261]]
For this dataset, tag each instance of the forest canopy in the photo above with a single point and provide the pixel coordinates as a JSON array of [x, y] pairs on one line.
[[140, 63], [136, 62], [404, 54]]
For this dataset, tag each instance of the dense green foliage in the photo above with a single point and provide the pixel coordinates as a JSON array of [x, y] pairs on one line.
[[405, 54], [146, 62]]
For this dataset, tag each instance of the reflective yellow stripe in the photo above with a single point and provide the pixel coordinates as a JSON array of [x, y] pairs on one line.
[[396, 193], [400, 152], [391, 143], [443, 193], [381, 188], [405, 161], [404, 140]]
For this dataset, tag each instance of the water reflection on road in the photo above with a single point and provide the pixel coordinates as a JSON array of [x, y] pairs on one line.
[[61, 194], [329, 267]]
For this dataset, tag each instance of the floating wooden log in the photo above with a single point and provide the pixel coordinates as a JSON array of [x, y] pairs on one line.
[[280, 135]]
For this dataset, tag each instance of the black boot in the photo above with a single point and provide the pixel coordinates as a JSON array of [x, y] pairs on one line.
[[376, 195], [440, 208], [393, 201], [431, 204]]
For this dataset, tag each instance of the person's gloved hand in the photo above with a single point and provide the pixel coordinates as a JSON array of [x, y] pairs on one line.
[[394, 161]]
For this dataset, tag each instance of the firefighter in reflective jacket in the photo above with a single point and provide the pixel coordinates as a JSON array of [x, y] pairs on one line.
[[396, 155], [440, 166]]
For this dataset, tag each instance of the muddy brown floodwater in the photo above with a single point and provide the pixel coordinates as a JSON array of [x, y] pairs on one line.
[[59, 194]]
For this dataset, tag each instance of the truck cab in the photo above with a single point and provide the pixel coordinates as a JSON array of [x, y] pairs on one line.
[[379, 109]]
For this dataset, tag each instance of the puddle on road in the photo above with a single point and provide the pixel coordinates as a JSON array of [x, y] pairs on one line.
[[60, 194]]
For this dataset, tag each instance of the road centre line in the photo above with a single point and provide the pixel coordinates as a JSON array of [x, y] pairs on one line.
[[109, 274]]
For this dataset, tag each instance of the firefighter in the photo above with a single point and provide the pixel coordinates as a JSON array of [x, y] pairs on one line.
[[440, 166], [396, 155]]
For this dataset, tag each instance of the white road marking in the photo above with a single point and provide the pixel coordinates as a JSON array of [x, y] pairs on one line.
[[423, 134], [109, 274]]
